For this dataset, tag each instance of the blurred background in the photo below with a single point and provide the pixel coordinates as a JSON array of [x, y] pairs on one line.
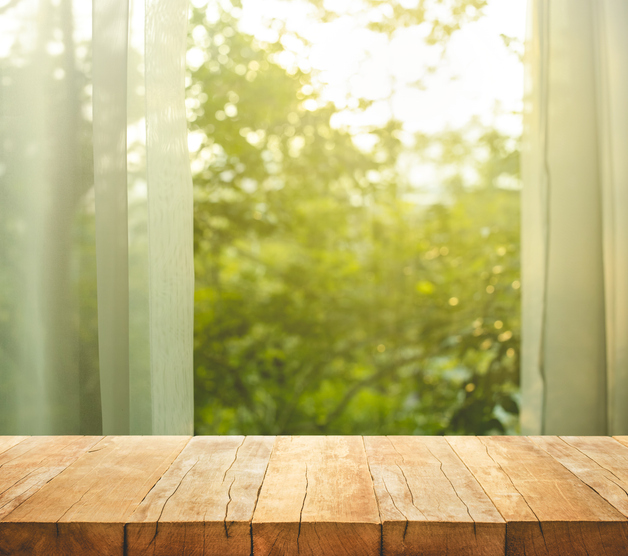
[[357, 212]]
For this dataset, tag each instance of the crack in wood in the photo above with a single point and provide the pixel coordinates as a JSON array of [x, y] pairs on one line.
[[166, 502], [227, 508], [125, 542], [40, 471], [379, 511], [596, 463], [66, 511], [412, 493], [234, 459], [330, 532], [455, 491], [403, 460], [518, 492], [259, 489], [301, 513], [405, 529], [162, 475]]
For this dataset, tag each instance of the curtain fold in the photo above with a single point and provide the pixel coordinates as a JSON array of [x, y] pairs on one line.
[[574, 231], [170, 218], [96, 250], [109, 74]]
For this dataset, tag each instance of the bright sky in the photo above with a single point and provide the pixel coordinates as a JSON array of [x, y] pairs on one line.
[[479, 77]]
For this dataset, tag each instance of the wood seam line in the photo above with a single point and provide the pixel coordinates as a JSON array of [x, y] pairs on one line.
[[596, 462], [570, 471], [19, 455], [478, 480], [522, 496], [489, 497], [257, 497], [475, 534], [576, 476], [126, 523], [403, 474], [381, 524], [512, 483], [484, 490], [51, 478], [13, 446], [167, 469], [168, 500], [22, 478]]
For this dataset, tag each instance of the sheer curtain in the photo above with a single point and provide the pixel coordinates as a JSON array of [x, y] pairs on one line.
[[96, 250], [575, 219]]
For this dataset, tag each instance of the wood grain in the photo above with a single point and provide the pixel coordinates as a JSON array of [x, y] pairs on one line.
[[317, 500], [599, 462], [313, 496], [622, 439], [203, 505], [563, 516], [29, 465], [429, 501], [83, 510], [7, 442]]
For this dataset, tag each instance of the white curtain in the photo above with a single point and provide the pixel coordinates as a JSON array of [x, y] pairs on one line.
[[575, 219], [96, 250]]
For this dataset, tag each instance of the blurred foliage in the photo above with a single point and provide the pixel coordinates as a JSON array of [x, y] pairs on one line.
[[328, 300]]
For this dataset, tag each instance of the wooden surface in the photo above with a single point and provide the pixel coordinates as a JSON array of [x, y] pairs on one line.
[[84, 509], [315, 496], [549, 511], [429, 499], [317, 499], [206, 499]]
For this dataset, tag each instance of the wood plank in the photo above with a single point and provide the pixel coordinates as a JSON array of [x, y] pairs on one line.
[[429, 501], [203, 505], [15, 446], [7, 442], [569, 517], [29, 465], [599, 462], [317, 500], [622, 439], [83, 510]]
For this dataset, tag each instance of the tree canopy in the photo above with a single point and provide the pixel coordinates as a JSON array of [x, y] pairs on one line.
[[328, 299]]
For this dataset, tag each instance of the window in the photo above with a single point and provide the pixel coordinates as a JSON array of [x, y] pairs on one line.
[[356, 178]]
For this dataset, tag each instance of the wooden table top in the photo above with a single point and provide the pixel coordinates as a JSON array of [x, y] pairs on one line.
[[313, 495]]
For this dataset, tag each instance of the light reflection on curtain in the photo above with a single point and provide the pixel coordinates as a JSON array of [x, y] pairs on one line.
[[575, 225], [95, 220]]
